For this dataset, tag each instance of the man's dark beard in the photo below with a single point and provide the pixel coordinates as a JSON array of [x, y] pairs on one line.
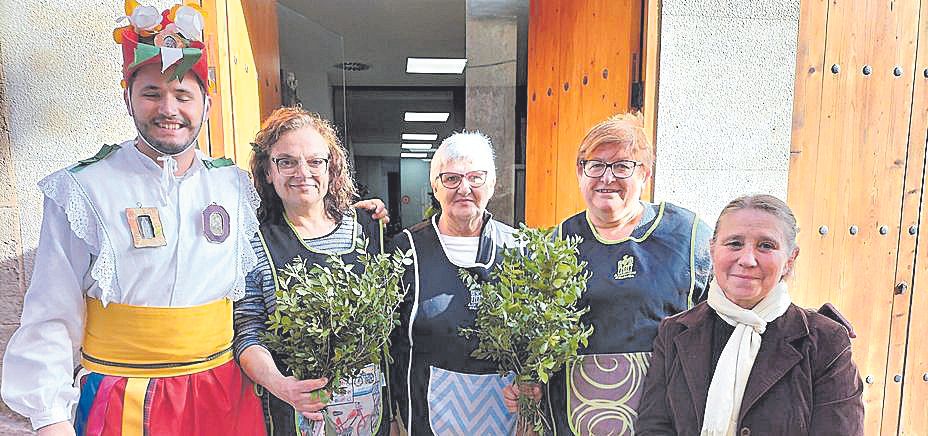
[[164, 148]]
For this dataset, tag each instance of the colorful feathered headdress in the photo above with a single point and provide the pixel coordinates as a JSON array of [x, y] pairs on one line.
[[173, 37]]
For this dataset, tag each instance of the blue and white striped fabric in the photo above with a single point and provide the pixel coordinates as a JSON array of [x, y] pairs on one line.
[[468, 404]]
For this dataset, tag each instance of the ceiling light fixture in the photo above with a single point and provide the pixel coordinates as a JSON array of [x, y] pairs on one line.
[[438, 117], [414, 155], [435, 66], [419, 137], [409, 146]]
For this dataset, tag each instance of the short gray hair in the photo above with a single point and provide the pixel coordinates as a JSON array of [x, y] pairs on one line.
[[464, 145], [766, 203]]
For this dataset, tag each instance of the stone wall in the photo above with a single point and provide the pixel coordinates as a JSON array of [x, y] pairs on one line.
[[491, 100], [12, 275], [725, 97]]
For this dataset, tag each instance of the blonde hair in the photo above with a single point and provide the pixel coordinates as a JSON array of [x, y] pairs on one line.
[[626, 130], [766, 203], [341, 186]]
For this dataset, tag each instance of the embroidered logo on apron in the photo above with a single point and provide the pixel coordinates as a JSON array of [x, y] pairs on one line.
[[476, 296], [625, 268]]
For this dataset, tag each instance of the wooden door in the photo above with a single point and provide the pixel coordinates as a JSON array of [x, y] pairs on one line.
[[909, 331], [856, 182], [582, 59]]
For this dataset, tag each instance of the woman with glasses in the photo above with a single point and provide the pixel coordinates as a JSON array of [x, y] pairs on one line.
[[301, 174], [648, 261], [438, 387]]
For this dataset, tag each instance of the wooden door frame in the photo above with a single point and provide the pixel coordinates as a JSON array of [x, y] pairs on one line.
[[240, 67], [651, 52]]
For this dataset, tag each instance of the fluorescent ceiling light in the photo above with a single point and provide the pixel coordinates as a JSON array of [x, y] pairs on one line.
[[417, 146], [427, 160], [419, 137], [439, 117], [416, 155], [435, 65]]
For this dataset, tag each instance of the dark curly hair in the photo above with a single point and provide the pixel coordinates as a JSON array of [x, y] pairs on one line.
[[341, 186]]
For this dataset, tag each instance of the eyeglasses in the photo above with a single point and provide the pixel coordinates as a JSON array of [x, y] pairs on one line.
[[475, 179], [289, 166], [621, 169]]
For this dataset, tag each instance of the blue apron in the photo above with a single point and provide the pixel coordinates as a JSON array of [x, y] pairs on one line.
[[438, 387]]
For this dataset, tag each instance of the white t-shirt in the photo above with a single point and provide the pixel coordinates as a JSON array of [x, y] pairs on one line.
[[461, 250]]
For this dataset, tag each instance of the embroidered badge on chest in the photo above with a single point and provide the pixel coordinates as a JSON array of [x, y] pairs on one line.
[[145, 226], [475, 297], [625, 269], [216, 224]]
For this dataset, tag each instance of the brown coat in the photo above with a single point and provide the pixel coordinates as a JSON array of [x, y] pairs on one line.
[[803, 382]]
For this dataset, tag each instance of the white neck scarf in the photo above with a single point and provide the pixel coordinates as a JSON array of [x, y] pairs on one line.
[[726, 390]]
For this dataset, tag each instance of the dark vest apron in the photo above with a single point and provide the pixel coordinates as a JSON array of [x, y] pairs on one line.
[[635, 283], [356, 408], [450, 392]]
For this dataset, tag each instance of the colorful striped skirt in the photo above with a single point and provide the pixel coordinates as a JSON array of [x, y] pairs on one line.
[[218, 401]]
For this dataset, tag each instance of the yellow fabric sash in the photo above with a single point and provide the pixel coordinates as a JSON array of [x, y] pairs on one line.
[[136, 341], [133, 407]]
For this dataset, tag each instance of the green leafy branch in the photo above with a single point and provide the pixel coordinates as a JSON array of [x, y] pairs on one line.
[[527, 320], [332, 321]]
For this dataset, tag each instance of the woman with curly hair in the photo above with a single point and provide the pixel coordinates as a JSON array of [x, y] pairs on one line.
[[302, 176]]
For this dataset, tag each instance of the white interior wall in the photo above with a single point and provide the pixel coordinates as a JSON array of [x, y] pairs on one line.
[[309, 51], [372, 173], [414, 183]]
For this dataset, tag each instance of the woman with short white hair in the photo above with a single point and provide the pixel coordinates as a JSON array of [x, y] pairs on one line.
[[438, 387]]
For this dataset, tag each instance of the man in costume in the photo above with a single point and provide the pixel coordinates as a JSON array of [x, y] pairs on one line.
[[143, 249]]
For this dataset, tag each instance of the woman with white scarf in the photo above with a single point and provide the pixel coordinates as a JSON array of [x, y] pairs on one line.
[[748, 361]]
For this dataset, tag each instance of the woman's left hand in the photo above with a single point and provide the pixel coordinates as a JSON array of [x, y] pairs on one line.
[[376, 207]]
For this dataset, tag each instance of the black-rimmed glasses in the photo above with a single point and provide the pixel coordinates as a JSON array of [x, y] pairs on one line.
[[289, 166], [475, 179], [621, 169]]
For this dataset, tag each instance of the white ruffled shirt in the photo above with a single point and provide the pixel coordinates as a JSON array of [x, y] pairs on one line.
[[85, 248]]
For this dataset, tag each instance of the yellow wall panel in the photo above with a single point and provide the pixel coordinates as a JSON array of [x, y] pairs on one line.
[[247, 70]]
